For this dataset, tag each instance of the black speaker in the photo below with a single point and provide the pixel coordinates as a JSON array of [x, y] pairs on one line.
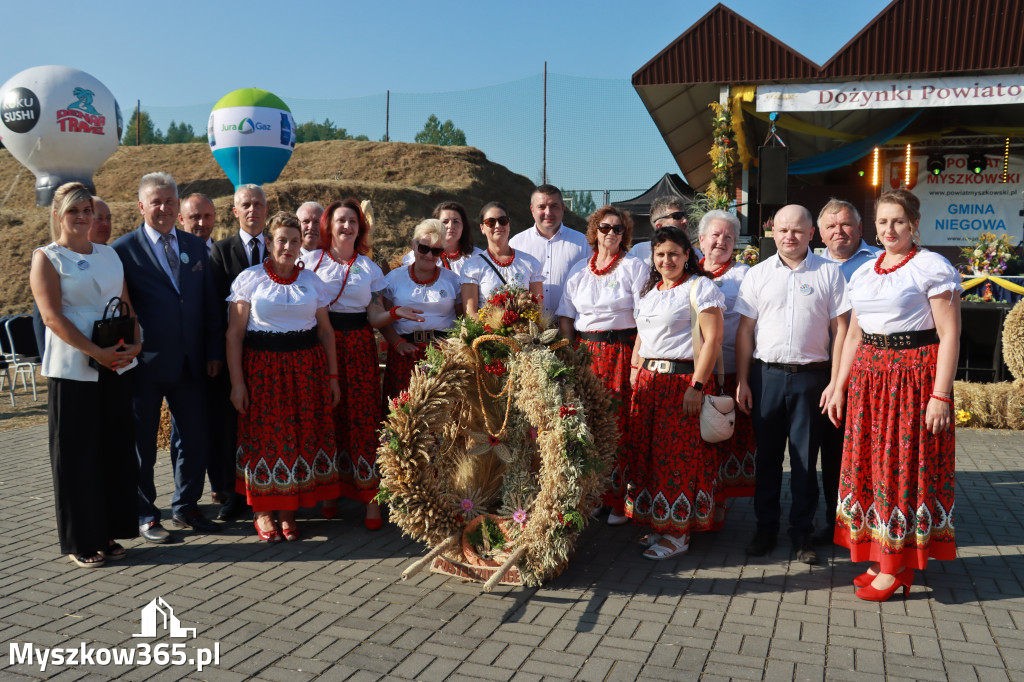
[[772, 175]]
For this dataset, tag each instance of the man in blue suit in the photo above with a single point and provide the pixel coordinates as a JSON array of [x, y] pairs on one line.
[[171, 286]]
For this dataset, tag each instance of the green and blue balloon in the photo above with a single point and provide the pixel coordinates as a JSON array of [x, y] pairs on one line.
[[252, 135]]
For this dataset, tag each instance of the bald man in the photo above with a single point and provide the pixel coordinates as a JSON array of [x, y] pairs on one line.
[[198, 216], [793, 316]]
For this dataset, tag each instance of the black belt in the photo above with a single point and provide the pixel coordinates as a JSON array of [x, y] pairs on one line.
[[425, 336], [669, 366], [901, 340], [609, 336], [793, 368], [347, 322], [282, 341]]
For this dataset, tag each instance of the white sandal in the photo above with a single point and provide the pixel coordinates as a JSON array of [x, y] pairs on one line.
[[649, 540], [659, 551], [616, 519]]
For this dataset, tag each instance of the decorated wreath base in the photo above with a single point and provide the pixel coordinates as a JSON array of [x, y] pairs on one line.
[[500, 448]]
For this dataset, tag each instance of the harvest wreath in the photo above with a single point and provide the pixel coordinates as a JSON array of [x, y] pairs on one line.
[[500, 448]]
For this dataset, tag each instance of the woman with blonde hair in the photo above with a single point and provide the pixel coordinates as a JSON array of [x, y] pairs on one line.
[[428, 287], [92, 450]]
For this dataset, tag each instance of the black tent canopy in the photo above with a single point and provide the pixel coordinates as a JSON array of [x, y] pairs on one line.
[[639, 207]]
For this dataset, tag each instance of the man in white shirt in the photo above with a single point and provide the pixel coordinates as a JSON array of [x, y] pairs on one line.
[[198, 216], [556, 247], [842, 232], [309, 218], [794, 315], [667, 211]]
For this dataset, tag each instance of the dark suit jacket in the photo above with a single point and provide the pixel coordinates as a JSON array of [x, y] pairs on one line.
[[175, 327], [228, 258]]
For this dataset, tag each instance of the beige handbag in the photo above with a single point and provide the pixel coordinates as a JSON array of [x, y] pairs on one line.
[[717, 412]]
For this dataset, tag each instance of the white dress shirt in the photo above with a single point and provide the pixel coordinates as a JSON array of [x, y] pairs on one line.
[[603, 303], [277, 307], [793, 308], [556, 257], [898, 301], [158, 249], [663, 318], [246, 238]]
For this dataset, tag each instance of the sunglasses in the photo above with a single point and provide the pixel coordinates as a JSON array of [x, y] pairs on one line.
[[424, 249], [606, 228], [675, 215], [491, 222]]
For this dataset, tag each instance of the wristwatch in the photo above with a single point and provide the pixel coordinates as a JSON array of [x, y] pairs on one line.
[[699, 385]]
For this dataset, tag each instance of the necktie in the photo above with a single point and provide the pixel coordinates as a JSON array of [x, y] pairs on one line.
[[172, 258], [254, 252]]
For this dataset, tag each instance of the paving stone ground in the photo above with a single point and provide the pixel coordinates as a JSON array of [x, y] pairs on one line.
[[333, 606]]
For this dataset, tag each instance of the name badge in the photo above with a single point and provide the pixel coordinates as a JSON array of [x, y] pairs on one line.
[[83, 264], [185, 259], [806, 289]]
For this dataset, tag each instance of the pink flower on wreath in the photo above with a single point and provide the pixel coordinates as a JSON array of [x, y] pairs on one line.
[[519, 516], [467, 504]]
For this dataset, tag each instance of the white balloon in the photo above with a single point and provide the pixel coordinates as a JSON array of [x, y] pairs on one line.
[[60, 123]]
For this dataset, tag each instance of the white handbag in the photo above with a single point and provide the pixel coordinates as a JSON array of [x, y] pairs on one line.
[[717, 412]]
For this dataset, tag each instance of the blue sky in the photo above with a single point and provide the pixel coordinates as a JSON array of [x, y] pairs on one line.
[[179, 58]]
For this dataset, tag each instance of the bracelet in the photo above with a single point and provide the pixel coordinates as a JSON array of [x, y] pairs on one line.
[[936, 396], [393, 312], [634, 366]]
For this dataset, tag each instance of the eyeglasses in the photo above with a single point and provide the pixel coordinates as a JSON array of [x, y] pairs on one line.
[[424, 249], [606, 228], [491, 222], [675, 215]]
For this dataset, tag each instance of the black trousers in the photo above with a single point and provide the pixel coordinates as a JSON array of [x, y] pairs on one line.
[[786, 413], [831, 463], [92, 457]]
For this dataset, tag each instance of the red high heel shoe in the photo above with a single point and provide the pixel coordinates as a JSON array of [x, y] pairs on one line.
[[374, 524], [267, 536], [904, 579], [329, 510], [864, 579]]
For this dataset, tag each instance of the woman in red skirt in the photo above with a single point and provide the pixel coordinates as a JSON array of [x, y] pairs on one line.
[[354, 285], [717, 233], [673, 473], [597, 308], [428, 287], [896, 380], [284, 381]]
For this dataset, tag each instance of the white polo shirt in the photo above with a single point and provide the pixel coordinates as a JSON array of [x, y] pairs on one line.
[[556, 257], [793, 308]]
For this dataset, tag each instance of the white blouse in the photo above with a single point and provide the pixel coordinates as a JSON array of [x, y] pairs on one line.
[[523, 270], [729, 284], [898, 301], [456, 265], [365, 278], [437, 300], [277, 307], [663, 318], [603, 303], [87, 283]]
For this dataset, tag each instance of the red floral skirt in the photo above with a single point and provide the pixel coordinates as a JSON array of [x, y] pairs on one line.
[[285, 455], [896, 485], [736, 473], [610, 363], [358, 415], [398, 370], [673, 473]]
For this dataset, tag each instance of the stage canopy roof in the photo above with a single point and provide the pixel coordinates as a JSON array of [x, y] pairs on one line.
[[908, 41]]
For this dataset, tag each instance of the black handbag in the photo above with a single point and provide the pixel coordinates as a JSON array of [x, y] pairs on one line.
[[116, 325]]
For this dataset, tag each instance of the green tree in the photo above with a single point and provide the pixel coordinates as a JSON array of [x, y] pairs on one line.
[[149, 133], [311, 131], [182, 132], [444, 134], [580, 202]]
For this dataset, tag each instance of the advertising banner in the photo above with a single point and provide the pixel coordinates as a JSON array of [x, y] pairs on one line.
[[957, 205], [957, 91]]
